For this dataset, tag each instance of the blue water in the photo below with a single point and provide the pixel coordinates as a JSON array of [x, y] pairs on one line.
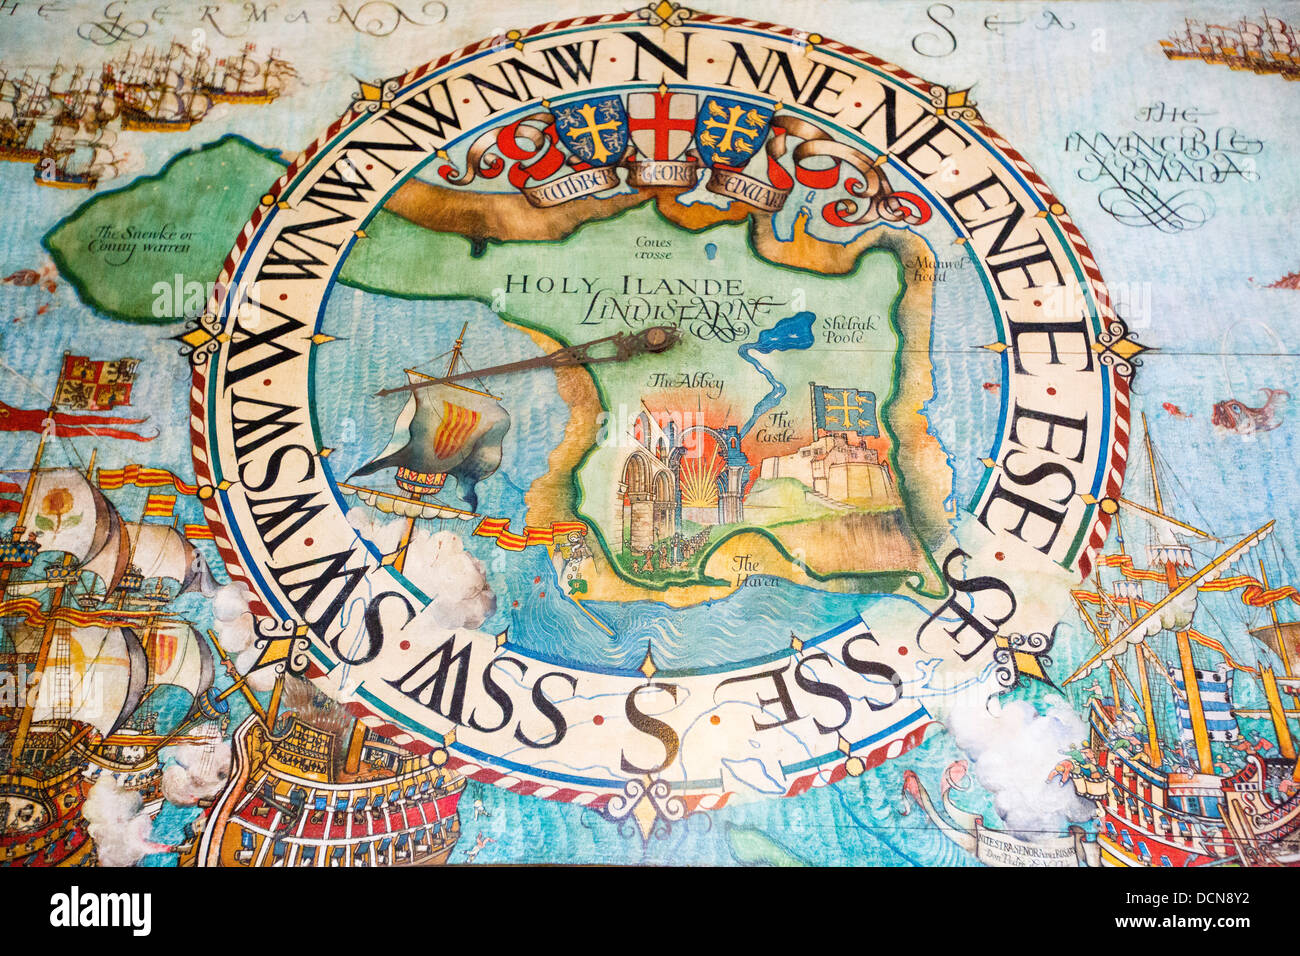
[[397, 334], [794, 332]]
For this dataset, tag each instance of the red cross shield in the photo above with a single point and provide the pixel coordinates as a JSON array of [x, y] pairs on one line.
[[661, 124]]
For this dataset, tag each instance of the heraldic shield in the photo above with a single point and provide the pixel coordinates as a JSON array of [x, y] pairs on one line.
[[595, 129], [661, 124], [729, 132]]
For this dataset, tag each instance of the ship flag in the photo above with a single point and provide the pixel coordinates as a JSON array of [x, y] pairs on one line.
[[14, 419], [12, 505], [143, 476], [159, 506], [844, 410], [95, 386], [1216, 702]]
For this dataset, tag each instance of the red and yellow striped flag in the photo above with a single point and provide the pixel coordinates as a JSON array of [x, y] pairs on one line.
[[511, 541], [499, 528], [159, 506], [143, 477], [491, 527], [199, 532]]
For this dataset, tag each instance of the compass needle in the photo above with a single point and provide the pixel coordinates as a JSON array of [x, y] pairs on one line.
[[654, 340]]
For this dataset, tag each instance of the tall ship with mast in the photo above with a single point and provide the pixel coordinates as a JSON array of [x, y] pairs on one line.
[[1267, 47], [90, 638], [243, 79], [76, 163], [310, 786], [16, 126], [445, 429], [164, 109], [1176, 780], [65, 120]]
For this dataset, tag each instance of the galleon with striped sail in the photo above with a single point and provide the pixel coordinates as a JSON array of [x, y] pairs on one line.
[[86, 610], [1176, 779], [444, 429]]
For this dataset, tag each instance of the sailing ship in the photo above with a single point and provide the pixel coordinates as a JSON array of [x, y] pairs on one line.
[[322, 791], [245, 80], [63, 121], [160, 91], [163, 109], [16, 125], [76, 163], [1175, 780], [89, 638], [1267, 47], [445, 428]]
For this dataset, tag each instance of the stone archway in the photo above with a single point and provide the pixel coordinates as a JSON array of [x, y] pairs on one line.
[[638, 502]]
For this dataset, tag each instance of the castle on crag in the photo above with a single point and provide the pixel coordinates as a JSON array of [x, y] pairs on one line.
[[836, 467], [839, 465]]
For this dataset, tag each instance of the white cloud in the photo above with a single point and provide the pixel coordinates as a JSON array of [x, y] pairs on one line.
[[438, 564], [118, 825], [195, 771], [1013, 748]]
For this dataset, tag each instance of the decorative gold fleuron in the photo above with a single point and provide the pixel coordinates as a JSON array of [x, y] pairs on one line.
[[325, 452], [665, 14], [649, 803], [320, 338], [370, 92], [843, 746], [197, 337], [648, 667], [515, 37], [282, 644], [987, 462], [373, 96], [1118, 348], [1125, 348], [501, 638], [956, 104], [645, 813], [1023, 655], [795, 642], [998, 347], [449, 737], [663, 88]]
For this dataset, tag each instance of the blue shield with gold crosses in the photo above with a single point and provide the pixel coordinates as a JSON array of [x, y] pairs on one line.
[[845, 410], [729, 132], [595, 130]]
